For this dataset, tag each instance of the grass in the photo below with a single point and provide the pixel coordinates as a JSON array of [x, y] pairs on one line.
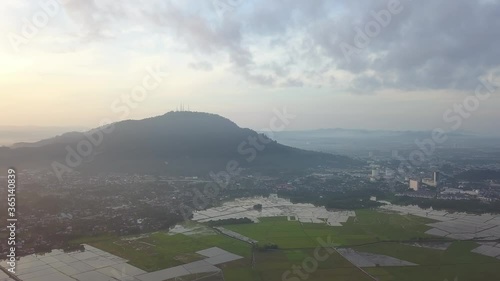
[[297, 242], [456, 261], [367, 230], [368, 226], [278, 230], [160, 250], [274, 265]]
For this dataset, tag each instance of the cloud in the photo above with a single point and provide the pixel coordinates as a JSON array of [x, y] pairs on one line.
[[366, 83], [96, 19], [202, 65], [430, 44], [293, 82]]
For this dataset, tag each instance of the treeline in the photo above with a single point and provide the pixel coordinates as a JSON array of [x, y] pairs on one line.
[[468, 206], [229, 222], [350, 204], [267, 247], [348, 200], [479, 175]]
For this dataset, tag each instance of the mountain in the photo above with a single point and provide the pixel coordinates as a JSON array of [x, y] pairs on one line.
[[12, 134], [361, 143], [64, 138], [180, 143]]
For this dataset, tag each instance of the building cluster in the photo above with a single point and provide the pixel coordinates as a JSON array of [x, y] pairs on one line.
[[53, 212], [417, 183]]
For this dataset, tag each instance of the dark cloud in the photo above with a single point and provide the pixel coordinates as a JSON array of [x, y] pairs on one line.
[[432, 44]]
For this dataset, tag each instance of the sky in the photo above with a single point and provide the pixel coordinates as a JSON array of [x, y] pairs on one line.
[[397, 65]]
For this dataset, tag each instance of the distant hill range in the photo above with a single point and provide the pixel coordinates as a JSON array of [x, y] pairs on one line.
[[13, 134], [64, 138], [361, 143], [360, 133], [181, 143]]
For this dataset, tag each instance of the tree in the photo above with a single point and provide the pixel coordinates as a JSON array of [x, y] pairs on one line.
[[258, 207]]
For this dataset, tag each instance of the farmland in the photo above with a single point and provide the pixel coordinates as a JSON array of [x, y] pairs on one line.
[[456, 262], [368, 226], [370, 231], [160, 250]]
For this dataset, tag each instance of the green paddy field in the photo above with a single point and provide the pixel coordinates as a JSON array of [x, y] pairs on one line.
[[369, 232]]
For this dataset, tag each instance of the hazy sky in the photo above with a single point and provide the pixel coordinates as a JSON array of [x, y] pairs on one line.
[[74, 62]]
